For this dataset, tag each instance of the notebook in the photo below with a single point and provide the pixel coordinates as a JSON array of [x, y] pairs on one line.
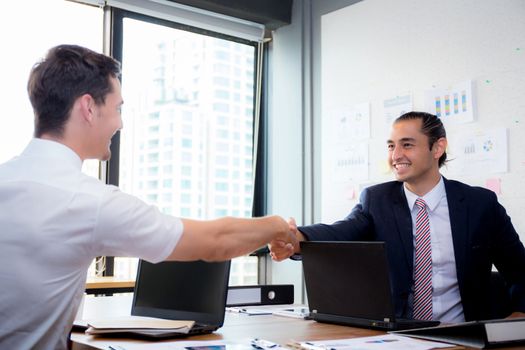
[[348, 283], [177, 290]]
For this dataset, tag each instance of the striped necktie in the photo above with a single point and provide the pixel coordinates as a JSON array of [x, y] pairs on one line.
[[422, 265]]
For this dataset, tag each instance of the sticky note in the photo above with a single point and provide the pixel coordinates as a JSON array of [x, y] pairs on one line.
[[494, 185]]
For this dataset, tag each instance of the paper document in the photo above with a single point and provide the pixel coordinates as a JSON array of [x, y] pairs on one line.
[[387, 341], [296, 312], [249, 311], [139, 325], [240, 344]]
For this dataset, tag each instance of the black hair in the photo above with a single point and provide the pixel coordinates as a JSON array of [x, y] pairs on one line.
[[432, 127]]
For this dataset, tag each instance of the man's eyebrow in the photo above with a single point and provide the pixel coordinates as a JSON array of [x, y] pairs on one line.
[[404, 139]]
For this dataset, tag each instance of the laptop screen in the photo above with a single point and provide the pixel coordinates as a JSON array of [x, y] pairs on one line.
[[194, 290], [348, 279]]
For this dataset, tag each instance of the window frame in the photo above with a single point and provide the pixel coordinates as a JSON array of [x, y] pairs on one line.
[[259, 166]]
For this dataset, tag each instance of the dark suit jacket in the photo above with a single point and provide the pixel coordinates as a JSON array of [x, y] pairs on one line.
[[482, 235]]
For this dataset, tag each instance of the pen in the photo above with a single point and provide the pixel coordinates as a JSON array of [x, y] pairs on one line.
[[311, 346], [116, 347], [263, 344], [236, 309]]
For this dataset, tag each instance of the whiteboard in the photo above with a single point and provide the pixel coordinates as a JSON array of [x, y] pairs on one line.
[[378, 51]]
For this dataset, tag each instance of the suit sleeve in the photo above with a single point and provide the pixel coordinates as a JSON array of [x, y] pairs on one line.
[[356, 226], [509, 257]]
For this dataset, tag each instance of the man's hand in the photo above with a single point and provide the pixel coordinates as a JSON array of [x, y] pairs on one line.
[[282, 249]]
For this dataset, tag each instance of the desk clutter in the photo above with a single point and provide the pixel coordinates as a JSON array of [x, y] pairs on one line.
[[295, 311], [273, 332], [390, 342], [159, 300], [145, 326], [386, 341]]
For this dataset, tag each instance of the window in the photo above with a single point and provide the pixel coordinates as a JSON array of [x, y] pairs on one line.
[[221, 186], [221, 212], [222, 147], [221, 107], [186, 143], [221, 81], [222, 94], [185, 198], [221, 173], [192, 74]]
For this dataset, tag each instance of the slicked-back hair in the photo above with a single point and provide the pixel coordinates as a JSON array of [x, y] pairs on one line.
[[431, 126], [64, 74]]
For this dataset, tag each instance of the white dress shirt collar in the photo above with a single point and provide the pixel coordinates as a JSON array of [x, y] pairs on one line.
[[432, 198], [52, 149]]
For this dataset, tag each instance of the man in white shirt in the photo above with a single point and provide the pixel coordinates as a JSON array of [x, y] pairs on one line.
[[55, 220], [468, 231]]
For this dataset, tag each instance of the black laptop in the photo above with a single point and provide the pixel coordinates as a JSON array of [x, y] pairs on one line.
[[348, 283], [175, 290]]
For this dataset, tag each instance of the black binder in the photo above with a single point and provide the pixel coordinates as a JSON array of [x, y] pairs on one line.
[[478, 334]]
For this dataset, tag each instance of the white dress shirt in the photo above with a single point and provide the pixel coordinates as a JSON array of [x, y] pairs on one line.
[[54, 221], [446, 300]]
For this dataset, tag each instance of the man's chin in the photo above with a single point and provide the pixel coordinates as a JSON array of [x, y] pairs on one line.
[[106, 156], [400, 177]]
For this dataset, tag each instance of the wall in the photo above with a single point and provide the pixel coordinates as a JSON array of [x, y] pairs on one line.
[[378, 49], [483, 35]]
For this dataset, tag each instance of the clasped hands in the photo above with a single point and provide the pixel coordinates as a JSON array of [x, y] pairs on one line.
[[282, 249]]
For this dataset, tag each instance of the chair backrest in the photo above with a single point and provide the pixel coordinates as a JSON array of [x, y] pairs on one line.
[[500, 301]]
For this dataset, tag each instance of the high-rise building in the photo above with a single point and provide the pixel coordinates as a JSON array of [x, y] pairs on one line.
[[187, 142]]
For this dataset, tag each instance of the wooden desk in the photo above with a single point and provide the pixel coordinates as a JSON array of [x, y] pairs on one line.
[[109, 285], [237, 326]]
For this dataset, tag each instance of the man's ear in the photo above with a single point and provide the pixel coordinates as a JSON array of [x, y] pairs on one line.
[[87, 108], [439, 147]]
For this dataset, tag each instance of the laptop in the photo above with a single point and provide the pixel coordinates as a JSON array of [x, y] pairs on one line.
[[176, 290], [348, 283]]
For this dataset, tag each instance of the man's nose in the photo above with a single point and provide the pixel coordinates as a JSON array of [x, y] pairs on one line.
[[397, 153]]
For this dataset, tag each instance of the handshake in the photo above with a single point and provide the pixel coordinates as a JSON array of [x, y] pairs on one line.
[[286, 245]]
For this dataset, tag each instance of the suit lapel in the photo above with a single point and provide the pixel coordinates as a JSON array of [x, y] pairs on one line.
[[404, 223], [458, 212]]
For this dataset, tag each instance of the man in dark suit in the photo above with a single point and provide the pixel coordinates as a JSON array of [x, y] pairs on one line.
[[467, 230]]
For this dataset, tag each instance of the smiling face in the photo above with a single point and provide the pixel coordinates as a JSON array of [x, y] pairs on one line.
[[107, 121], [411, 158]]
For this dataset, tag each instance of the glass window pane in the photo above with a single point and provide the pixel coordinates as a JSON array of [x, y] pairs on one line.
[[182, 79], [23, 47]]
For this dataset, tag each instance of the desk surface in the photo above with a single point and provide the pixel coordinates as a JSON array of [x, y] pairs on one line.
[[108, 282], [109, 285], [237, 326]]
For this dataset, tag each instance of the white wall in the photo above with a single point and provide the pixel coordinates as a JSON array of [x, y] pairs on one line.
[[377, 49], [409, 45]]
